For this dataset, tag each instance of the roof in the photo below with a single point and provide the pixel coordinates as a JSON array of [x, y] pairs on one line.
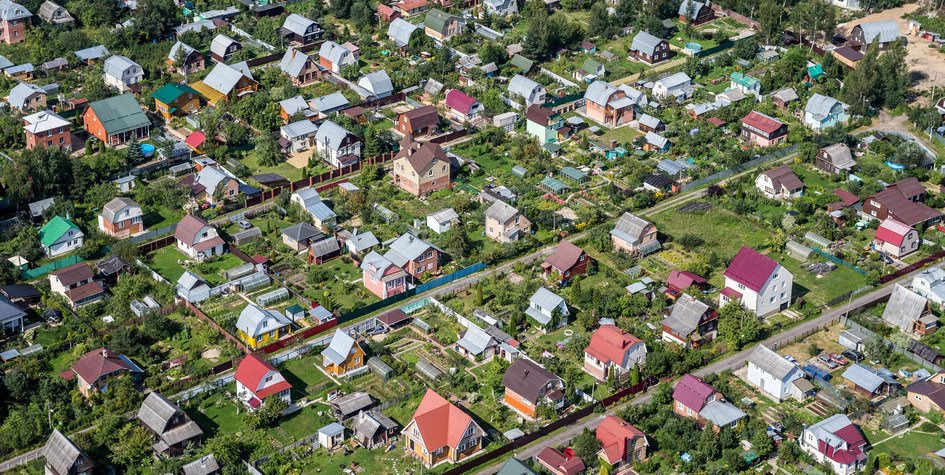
[[22, 91], [721, 413], [364, 241], [116, 65], [820, 107], [684, 279], [513, 466], [763, 122], [302, 128], [255, 320], [423, 117], [119, 114], [690, 9], [351, 404], [864, 377], [475, 340], [223, 78], [892, 231], [848, 53], [97, 363], [205, 465], [645, 43], [220, 43], [114, 206], [501, 211], [74, 273], [599, 92], [392, 317], [111, 265], [338, 348], [522, 63], [883, 31], [539, 114], [94, 52], [839, 439], [156, 412], [460, 101], [407, 248], [907, 211], [675, 80], [649, 121], [654, 138], [195, 26], [692, 392], [171, 91], [630, 227], [250, 373], [329, 103], [786, 95], [54, 230], [436, 19], [13, 11], [783, 176], [298, 24], [60, 453], [610, 344], [841, 156], [375, 264], [771, 362], [562, 464], [301, 232], [20, 291], [547, 301], [613, 434], [293, 62], [935, 391], [565, 256], [522, 86], [43, 121], [439, 422], [751, 268], [377, 83], [905, 307], [685, 314], [172, 54]]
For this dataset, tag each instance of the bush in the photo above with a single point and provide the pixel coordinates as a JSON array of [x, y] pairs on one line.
[[690, 241]]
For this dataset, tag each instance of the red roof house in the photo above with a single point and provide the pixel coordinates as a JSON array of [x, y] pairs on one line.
[[896, 239], [386, 13], [195, 140], [97, 367], [256, 379], [620, 441], [195, 237], [612, 349], [760, 283], [462, 106], [440, 431], [763, 130], [680, 281], [558, 463], [692, 395], [837, 441], [565, 262]]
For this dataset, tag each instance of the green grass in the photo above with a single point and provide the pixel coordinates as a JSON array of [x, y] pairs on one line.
[[910, 445], [724, 231], [217, 416], [304, 377], [820, 290], [305, 422], [372, 461], [284, 168], [624, 134], [162, 217], [164, 262]]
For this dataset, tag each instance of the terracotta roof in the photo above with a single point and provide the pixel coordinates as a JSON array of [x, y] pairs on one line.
[[849, 199], [892, 231], [385, 10], [716, 121], [252, 370], [692, 392], [613, 434], [440, 422], [188, 227], [565, 256], [422, 155], [610, 344], [684, 279], [751, 268], [527, 379], [554, 458], [762, 122], [97, 363], [74, 273], [422, 117]]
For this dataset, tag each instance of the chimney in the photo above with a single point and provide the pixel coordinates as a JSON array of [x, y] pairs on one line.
[[613, 143]]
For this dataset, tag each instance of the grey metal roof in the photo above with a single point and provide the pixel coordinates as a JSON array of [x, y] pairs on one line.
[[117, 204], [685, 315], [302, 128], [336, 53], [787, 94], [599, 92], [195, 26], [339, 348], [293, 62], [95, 52], [675, 80], [400, 30], [4, 62], [364, 241], [630, 227], [205, 465], [375, 261], [330, 103], [10, 11], [255, 320], [863, 376], [172, 55], [21, 92], [826, 429], [116, 65], [378, 83], [220, 43], [884, 31], [820, 106], [332, 429], [547, 301], [721, 413], [325, 246], [649, 121], [407, 248], [522, 86], [771, 362], [476, 340], [223, 78], [426, 369], [293, 105], [637, 96], [300, 232], [21, 68], [210, 178], [840, 156], [60, 453], [691, 12], [298, 24], [188, 280], [905, 307], [331, 135], [501, 211], [444, 215], [645, 43], [654, 138]]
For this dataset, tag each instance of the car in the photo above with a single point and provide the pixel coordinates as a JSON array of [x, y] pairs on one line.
[[852, 355], [838, 359], [790, 358], [244, 224], [827, 361]]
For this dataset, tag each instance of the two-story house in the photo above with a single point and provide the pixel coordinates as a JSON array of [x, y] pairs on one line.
[[171, 429], [440, 431], [694, 399], [649, 49], [26, 97], [116, 120], [121, 217], [174, 99], [222, 48], [299, 136], [613, 352], [566, 262], [225, 82], [836, 442], [896, 239], [824, 111], [381, 276], [759, 282], [677, 87], [259, 327], [196, 238], [421, 169], [690, 322], [772, 373], [695, 13], [763, 130], [620, 442], [931, 285], [505, 224], [414, 255], [184, 59], [745, 84], [901, 201], [343, 354], [47, 129], [910, 312], [298, 29], [96, 368], [548, 310], [121, 73], [528, 90], [59, 236], [528, 385], [780, 183], [14, 18], [462, 106], [608, 105], [442, 26], [836, 159], [375, 85], [301, 68], [422, 121], [256, 380], [63, 457], [543, 123], [882, 32], [634, 235], [337, 145], [332, 56], [76, 284]]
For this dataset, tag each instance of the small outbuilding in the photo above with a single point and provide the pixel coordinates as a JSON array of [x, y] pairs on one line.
[[427, 370], [331, 435], [380, 368]]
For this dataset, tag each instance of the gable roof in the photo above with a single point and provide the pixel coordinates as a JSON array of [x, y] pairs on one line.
[[935, 391], [423, 116], [301, 231], [892, 231], [460, 101], [255, 320], [329, 103], [501, 211], [522, 63], [75, 273], [298, 24], [840, 155], [565, 256], [97, 363], [848, 53], [407, 248], [436, 19], [220, 43], [223, 78], [522, 86], [156, 412], [22, 91], [116, 205], [863, 376], [721, 413], [94, 52], [692, 392], [630, 227], [762, 122], [332, 135], [205, 465], [120, 114], [116, 65], [907, 211], [54, 229], [527, 379], [377, 83], [786, 95], [60, 453], [613, 434], [338, 348], [686, 314], [839, 439], [690, 9], [751, 268], [335, 53], [771, 362], [171, 91], [172, 54], [421, 155], [293, 62], [302, 128], [553, 457], [475, 340], [784, 176], [513, 466], [440, 422], [650, 121], [820, 106], [610, 344], [250, 372], [599, 92], [683, 279], [904, 308], [539, 114], [645, 43], [883, 31]]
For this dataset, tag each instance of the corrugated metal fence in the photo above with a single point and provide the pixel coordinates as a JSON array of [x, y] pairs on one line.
[[738, 168]]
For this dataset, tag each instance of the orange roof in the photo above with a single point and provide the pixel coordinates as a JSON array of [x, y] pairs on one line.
[[613, 434], [610, 344], [411, 4], [440, 422]]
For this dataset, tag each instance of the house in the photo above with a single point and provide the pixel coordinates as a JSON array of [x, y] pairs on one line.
[[901, 201], [55, 14], [75, 283], [414, 255], [868, 381], [557, 463], [780, 183], [63, 457], [116, 120], [386, 13], [895, 239], [299, 135], [400, 31], [620, 442], [547, 309], [882, 32], [505, 224], [301, 68], [763, 130], [649, 49], [373, 429], [634, 235], [336, 145], [440, 431], [543, 123], [771, 373], [690, 322], [59, 236], [836, 159], [332, 56], [613, 351], [590, 71], [192, 288], [172, 429], [926, 353], [530, 91], [513, 466], [505, 121], [22, 295], [928, 395], [176, 99], [411, 8], [47, 129], [212, 185], [441, 221], [196, 238], [836, 442], [324, 250], [382, 277], [475, 344], [566, 262], [680, 281], [298, 29], [931, 285], [502, 8], [342, 355], [421, 169], [96, 368], [608, 105], [442, 26], [122, 73], [783, 97], [226, 83], [462, 106], [692, 395], [910, 312], [26, 97], [648, 123], [758, 282], [418, 122], [121, 217], [824, 111], [21, 72], [528, 385], [695, 13], [300, 236], [654, 142], [185, 60], [848, 56], [746, 84], [222, 48], [259, 327], [322, 216], [677, 86], [377, 84], [256, 380], [526, 66], [11, 316], [14, 18], [206, 465], [92, 54], [328, 104]]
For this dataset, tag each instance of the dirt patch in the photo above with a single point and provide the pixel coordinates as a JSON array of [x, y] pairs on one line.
[[299, 160], [211, 354], [826, 341]]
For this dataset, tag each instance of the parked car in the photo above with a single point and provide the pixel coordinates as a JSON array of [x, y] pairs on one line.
[[825, 359], [853, 355], [838, 359], [244, 224]]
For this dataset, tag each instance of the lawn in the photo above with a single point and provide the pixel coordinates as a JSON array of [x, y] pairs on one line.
[[285, 169], [372, 461], [724, 231], [164, 262], [820, 290], [305, 378], [217, 415], [306, 422], [624, 134], [911, 445], [162, 217]]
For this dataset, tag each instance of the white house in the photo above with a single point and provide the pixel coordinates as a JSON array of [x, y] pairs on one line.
[[299, 134], [836, 441], [896, 239], [256, 379], [337, 145], [309, 199], [931, 285], [59, 236], [441, 221], [541, 307], [678, 86], [780, 183], [758, 282], [196, 238], [121, 73], [771, 373], [530, 91]]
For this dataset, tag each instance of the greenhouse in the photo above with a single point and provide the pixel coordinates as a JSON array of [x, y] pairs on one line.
[[247, 236], [798, 250], [239, 271], [818, 240], [252, 281], [380, 368], [427, 370], [271, 297]]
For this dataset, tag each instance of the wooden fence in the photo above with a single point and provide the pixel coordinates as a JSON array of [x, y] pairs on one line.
[[911, 267], [457, 134], [152, 246], [299, 336], [226, 335]]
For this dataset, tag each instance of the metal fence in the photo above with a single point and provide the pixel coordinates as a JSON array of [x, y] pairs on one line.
[[154, 233], [837, 260], [54, 266], [738, 168]]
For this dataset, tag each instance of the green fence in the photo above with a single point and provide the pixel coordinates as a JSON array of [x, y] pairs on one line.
[[43, 270]]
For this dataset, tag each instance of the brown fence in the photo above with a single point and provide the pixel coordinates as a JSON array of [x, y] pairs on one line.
[[383, 101], [737, 17], [565, 421], [226, 335], [276, 57], [457, 134], [238, 253], [302, 335], [911, 267], [152, 246]]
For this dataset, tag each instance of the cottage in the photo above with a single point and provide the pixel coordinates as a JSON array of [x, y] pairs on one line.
[[692, 395], [530, 91], [26, 97], [197, 239], [543, 123], [373, 429], [613, 352], [634, 235], [502, 8], [121, 217], [505, 223], [868, 381], [60, 236], [11, 316], [608, 105], [342, 355], [910, 312], [176, 99], [92, 54], [122, 74], [836, 442], [256, 380], [258, 327], [557, 463], [185, 60], [382, 277], [171, 429], [824, 111], [528, 385], [566, 262], [377, 85], [47, 129], [621, 443], [654, 142], [783, 97], [299, 135], [14, 18], [329, 104], [332, 56], [192, 288], [226, 83], [96, 368], [848, 56], [763, 130], [695, 13], [590, 71], [901, 201], [55, 14], [929, 394], [300, 30], [680, 281], [771, 373], [463, 107], [206, 465], [411, 8], [339, 147], [116, 120], [414, 255], [677, 87], [690, 322], [896, 239], [300, 236], [441, 221], [476, 345], [526, 66], [441, 431], [400, 31], [931, 285], [418, 122], [882, 32], [301, 68], [649, 49], [780, 183], [222, 48], [386, 13], [547, 310], [836, 159], [421, 169], [63, 457], [758, 282], [442, 26]]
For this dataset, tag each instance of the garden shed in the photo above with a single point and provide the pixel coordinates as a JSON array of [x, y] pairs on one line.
[[271, 297], [380, 368], [427, 370], [238, 271], [331, 435], [818, 240], [798, 250], [895, 423], [247, 236], [852, 339]]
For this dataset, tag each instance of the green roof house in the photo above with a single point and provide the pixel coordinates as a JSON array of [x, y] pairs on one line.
[[441, 25], [523, 63], [746, 84], [116, 119], [60, 236], [815, 72], [172, 98], [590, 71]]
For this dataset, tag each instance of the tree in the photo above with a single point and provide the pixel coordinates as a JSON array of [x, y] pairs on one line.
[[134, 446], [598, 21], [458, 243], [18, 384], [635, 374], [537, 45], [27, 244], [226, 448], [492, 53], [769, 18], [738, 326], [268, 151], [272, 408], [762, 444], [586, 446], [708, 448]]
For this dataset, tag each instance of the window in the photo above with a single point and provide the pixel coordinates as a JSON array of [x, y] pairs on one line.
[[772, 300], [711, 398], [420, 259], [688, 411], [430, 254], [272, 334], [470, 431], [741, 286], [782, 295]]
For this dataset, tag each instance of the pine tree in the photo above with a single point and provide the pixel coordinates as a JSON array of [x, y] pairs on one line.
[[479, 295], [635, 374]]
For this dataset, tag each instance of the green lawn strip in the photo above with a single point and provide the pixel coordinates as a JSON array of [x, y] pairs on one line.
[[623, 134], [373, 462], [285, 169], [724, 231], [302, 374], [820, 290], [164, 262], [305, 422], [911, 445]]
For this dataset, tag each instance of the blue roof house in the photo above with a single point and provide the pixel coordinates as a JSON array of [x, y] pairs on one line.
[[822, 112]]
